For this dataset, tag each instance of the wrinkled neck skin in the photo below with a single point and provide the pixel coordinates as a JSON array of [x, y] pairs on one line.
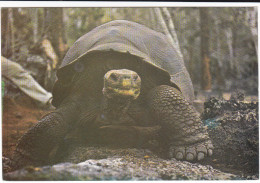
[[114, 109]]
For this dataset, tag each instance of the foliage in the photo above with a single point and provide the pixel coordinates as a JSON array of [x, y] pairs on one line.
[[82, 20]]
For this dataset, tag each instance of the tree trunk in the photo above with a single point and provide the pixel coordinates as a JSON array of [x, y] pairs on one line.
[[172, 29], [219, 69], [54, 30], [55, 38], [166, 31], [11, 18], [252, 23], [237, 69], [163, 24], [34, 16], [5, 44], [206, 75], [228, 33], [154, 25]]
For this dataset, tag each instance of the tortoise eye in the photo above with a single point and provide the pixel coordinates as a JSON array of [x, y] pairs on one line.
[[113, 77], [135, 78]]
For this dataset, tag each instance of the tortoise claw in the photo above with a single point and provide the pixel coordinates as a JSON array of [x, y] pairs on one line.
[[191, 153]]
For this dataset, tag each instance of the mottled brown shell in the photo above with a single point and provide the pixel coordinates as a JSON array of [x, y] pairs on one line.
[[129, 37]]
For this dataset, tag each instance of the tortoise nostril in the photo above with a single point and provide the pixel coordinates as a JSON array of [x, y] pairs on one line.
[[113, 77], [126, 77]]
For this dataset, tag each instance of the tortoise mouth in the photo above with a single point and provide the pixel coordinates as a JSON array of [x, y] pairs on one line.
[[121, 92]]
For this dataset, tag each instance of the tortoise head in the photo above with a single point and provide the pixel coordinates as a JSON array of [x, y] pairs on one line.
[[122, 83]]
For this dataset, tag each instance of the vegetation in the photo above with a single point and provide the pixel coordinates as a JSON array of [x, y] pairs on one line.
[[218, 45]]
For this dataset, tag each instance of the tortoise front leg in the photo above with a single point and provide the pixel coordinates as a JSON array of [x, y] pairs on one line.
[[181, 125], [35, 146]]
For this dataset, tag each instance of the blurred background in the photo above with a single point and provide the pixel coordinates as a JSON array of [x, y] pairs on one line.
[[219, 45]]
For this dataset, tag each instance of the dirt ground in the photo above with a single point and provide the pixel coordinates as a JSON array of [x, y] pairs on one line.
[[18, 116]]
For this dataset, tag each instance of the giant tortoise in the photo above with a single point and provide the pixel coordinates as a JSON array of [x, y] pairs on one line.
[[123, 84]]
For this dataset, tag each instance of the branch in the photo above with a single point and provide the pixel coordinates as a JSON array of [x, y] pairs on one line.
[[171, 25], [166, 31]]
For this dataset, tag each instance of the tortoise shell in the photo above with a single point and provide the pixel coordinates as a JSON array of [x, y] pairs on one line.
[[153, 48]]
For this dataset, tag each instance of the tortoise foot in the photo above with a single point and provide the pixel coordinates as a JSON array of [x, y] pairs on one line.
[[193, 152]]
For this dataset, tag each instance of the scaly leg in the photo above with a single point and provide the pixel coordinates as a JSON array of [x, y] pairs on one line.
[[181, 124], [37, 144]]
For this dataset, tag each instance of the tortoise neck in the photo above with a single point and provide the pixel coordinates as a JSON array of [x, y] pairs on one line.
[[114, 108]]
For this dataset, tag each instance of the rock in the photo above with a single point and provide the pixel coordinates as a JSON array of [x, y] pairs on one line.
[[6, 164], [121, 164], [233, 128], [238, 95]]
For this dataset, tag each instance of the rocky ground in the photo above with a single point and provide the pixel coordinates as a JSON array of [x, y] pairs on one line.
[[232, 125], [234, 128], [121, 164]]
